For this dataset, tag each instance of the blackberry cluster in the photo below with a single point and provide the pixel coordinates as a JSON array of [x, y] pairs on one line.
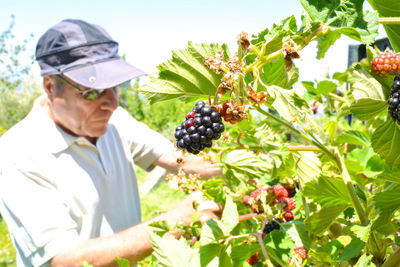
[[271, 226], [394, 101], [202, 125], [386, 64]]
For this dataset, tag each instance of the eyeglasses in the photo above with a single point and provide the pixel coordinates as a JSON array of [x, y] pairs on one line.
[[89, 93]]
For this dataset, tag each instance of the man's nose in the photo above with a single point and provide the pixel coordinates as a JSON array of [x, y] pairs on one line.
[[110, 99]]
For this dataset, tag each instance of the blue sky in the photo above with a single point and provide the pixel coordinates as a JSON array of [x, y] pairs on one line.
[[149, 30]]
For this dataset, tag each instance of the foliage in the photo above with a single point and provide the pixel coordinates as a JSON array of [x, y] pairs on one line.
[[345, 173]]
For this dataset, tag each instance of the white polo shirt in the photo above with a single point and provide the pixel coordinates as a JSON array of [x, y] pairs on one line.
[[57, 189]]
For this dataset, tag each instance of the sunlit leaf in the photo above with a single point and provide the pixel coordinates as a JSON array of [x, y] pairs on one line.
[[385, 142], [320, 221], [308, 166], [368, 108]]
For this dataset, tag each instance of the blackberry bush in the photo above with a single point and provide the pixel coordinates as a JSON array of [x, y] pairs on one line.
[[202, 125]]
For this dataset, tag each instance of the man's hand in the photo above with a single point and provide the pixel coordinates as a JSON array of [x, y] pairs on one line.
[[190, 164]]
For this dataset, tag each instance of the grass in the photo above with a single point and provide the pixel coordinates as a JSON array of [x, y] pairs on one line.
[[159, 200], [7, 251]]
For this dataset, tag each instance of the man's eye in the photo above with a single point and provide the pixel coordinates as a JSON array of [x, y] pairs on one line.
[[92, 95]]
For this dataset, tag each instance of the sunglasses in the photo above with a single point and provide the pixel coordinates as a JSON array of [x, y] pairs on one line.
[[88, 94]]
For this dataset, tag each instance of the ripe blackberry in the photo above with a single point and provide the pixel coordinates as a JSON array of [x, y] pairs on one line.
[[386, 64], [271, 226], [394, 101], [202, 125]]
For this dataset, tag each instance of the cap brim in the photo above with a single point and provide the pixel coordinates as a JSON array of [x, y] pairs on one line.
[[104, 74]]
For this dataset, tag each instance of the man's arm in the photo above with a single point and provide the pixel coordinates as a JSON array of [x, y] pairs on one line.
[[133, 243], [190, 164]]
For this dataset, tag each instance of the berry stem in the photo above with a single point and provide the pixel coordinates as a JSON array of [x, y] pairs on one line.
[[389, 20], [264, 251], [338, 98]]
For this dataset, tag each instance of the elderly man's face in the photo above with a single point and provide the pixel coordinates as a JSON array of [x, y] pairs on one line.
[[78, 116]]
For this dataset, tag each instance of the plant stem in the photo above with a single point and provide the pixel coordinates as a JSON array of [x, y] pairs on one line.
[[350, 188], [335, 156], [264, 251], [338, 98], [393, 260], [389, 20]]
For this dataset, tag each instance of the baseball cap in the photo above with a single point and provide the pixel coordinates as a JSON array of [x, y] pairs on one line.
[[85, 53]]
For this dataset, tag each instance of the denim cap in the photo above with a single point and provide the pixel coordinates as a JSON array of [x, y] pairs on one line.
[[85, 53]]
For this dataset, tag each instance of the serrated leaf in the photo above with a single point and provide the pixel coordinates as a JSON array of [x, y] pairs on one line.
[[384, 224], [230, 215], [367, 108], [274, 73], [325, 42], [212, 231], [362, 232], [385, 142], [391, 175], [243, 251], [346, 15], [389, 8], [364, 85], [184, 75], [352, 250], [308, 166], [172, 252], [243, 165], [284, 102], [328, 192], [353, 137], [208, 254], [320, 221], [388, 200], [297, 232]]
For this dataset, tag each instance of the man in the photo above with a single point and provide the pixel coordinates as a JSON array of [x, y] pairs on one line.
[[68, 189]]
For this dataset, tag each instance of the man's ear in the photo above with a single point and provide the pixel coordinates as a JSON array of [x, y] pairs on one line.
[[49, 86]]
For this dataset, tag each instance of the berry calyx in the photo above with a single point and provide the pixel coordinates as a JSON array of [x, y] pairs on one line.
[[253, 260], [386, 64], [301, 252]]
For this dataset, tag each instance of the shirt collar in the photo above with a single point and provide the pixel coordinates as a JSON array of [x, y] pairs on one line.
[[55, 139]]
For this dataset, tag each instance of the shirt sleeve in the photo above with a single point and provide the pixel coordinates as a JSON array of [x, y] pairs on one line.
[[145, 144], [40, 228]]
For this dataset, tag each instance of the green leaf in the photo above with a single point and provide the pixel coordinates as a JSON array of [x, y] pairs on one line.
[[297, 232], [352, 250], [365, 261], [184, 75], [364, 85], [385, 142], [320, 221], [325, 42], [284, 102], [367, 108], [328, 192], [122, 262], [390, 175], [362, 232], [388, 200], [384, 224], [353, 137], [230, 215], [243, 165], [389, 8], [208, 253], [243, 251], [325, 87], [212, 231], [172, 252], [274, 73], [308, 166], [346, 16]]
